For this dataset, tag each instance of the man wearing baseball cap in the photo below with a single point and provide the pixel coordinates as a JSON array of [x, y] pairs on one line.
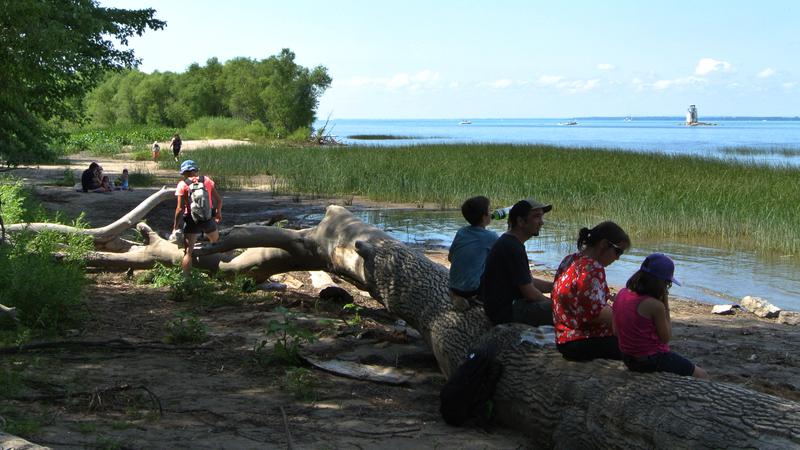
[[192, 228], [508, 290]]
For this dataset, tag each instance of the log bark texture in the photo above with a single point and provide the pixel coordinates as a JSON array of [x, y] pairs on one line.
[[560, 404]]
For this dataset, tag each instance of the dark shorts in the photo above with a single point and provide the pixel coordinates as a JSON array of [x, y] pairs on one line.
[[176, 151], [192, 227], [532, 313], [465, 294], [660, 362], [591, 348]]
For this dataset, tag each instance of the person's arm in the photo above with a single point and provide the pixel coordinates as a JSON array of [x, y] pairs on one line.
[[531, 293], [659, 312], [178, 212], [606, 317], [218, 204], [590, 296], [542, 285]]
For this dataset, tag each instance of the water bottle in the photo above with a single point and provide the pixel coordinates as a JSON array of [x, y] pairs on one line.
[[499, 214]]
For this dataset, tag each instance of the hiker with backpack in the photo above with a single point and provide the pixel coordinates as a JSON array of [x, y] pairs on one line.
[[200, 206]]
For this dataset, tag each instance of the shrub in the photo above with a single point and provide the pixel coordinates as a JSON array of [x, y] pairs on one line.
[[67, 178], [45, 291], [186, 329], [289, 337], [300, 135], [300, 382]]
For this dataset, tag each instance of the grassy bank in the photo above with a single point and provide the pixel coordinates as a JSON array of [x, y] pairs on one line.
[[46, 292], [653, 195]]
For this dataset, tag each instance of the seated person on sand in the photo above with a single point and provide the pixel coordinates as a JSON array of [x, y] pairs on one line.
[[508, 291], [642, 321], [581, 313], [469, 249], [91, 180], [122, 181]]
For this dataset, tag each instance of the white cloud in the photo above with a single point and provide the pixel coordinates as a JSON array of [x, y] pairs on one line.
[[549, 80], [420, 80], [398, 81], [605, 66], [766, 73], [566, 85], [501, 84], [708, 65], [789, 85], [661, 85], [426, 76]]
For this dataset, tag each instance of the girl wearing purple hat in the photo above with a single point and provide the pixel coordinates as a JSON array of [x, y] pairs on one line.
[[642, 321]]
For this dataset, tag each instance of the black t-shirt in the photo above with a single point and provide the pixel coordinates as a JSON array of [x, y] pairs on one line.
[[89, 181], [506, 270]]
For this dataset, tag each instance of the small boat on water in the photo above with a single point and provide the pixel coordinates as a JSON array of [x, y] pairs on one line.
[[627, 119], [465, 122], [570, 123]]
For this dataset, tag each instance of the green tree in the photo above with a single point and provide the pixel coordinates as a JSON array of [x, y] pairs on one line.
[[51, 52], [292, 92]]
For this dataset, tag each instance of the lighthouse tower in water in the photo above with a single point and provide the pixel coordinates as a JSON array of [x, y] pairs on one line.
[[691, 115]]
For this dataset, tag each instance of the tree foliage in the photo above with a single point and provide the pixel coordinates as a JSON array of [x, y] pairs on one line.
[[275, 92], [51, 53]]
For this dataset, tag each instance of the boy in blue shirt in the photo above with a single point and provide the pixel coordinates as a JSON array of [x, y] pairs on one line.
[[470, 247]]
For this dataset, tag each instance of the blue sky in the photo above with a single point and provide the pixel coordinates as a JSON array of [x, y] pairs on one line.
[[463, 59]]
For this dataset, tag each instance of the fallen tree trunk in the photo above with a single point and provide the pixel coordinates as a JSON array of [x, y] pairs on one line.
[[560, 404]]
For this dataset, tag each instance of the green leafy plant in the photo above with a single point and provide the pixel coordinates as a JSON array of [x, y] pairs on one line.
[[186, 328], [356, 319], [288, 336], [67, 178], [300, 382]]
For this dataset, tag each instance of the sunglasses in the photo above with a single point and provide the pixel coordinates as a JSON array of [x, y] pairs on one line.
[[617, 249]]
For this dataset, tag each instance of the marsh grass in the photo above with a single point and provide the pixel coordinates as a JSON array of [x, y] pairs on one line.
[[743, 204], [142, 178], [379, 137], [761, 151]]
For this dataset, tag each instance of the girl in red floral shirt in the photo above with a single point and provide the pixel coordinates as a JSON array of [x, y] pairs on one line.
[[581, 313]]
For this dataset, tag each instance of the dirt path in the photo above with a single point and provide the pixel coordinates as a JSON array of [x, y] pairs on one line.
[[218, 395]]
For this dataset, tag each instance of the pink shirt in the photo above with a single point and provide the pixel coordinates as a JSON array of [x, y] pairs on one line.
[[183, 190], [636, 334]]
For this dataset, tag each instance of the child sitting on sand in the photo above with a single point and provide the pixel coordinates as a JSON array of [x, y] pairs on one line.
[[123, 180], [642, 320]]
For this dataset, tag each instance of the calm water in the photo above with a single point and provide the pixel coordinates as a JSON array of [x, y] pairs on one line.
[[709, 275], [657, 134]]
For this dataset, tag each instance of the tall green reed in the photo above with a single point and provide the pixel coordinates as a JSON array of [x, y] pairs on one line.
[[741, 204]]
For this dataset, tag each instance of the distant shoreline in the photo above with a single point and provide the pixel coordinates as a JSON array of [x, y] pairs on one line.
[[632, 118]]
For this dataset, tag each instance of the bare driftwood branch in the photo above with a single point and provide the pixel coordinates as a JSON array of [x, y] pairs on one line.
[[366, 372], [11, 442], [107, 233], [9, 312]]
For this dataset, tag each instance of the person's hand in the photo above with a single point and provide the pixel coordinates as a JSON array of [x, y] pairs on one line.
[[218, 217]]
